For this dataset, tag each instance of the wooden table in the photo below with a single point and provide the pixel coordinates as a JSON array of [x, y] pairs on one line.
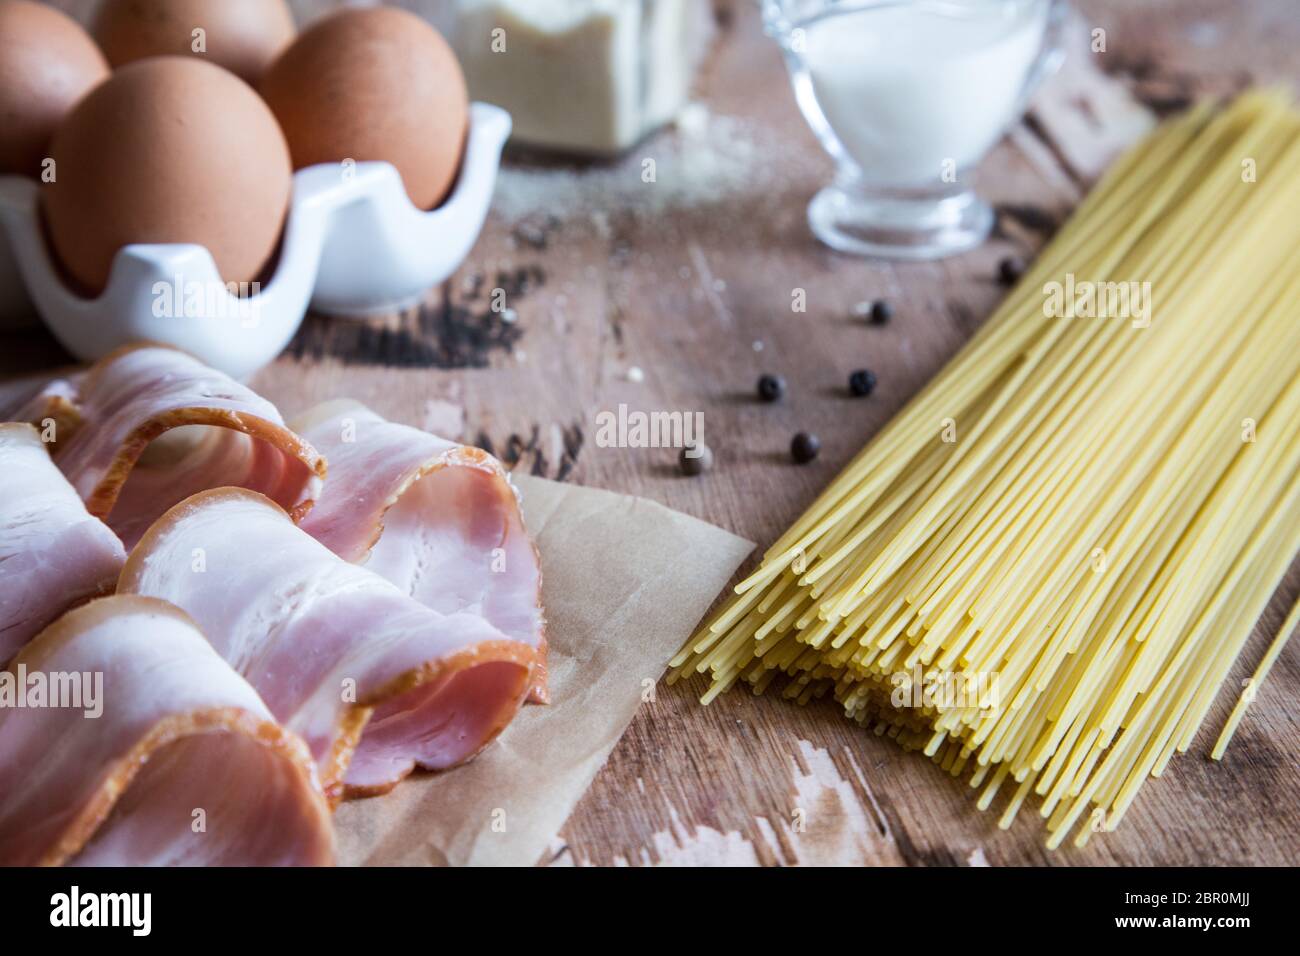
[[676, 295]]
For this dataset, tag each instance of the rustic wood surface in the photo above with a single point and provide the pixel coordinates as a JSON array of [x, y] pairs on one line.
[[676, 295]]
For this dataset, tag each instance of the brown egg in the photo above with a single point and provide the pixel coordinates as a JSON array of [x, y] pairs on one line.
[[241, 35], [169, 149], [374, 84], [47, 63]]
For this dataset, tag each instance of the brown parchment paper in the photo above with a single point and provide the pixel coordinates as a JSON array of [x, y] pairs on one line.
[[624, 580]]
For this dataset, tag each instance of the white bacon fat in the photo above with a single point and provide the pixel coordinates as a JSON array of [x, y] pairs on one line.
[[145, 748], [53, 553]]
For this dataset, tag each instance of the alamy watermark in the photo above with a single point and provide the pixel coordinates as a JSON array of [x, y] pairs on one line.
[[133, 911], [637, 429], [179, 299], [945, 690], [57, 690], [1098, 300]]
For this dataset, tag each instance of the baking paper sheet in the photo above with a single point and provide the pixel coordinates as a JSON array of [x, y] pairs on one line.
[[624, 581]]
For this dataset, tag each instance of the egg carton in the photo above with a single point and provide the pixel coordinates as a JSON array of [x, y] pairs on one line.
[[353, 245]]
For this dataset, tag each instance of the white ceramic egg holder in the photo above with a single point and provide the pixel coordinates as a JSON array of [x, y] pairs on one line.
[[353, 244]]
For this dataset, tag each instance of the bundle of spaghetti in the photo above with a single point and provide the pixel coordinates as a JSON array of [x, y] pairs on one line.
[[1043, 568]]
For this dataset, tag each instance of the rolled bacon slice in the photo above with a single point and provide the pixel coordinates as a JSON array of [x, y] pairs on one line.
[[439, 520], [159, 755], [333, 648], [107, 416], [53, 553]]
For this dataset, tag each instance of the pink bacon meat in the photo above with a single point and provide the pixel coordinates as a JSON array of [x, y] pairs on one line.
[[439, 520], [375, 682], [177, 733]]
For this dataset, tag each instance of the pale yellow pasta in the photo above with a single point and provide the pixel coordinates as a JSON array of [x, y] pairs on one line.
[[1088, 513]]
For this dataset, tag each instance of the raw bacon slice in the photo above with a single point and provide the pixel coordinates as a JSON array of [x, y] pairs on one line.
[[108, 415], [183, 764], [39, 400], [53, 554], [439, 520], [330, 645]]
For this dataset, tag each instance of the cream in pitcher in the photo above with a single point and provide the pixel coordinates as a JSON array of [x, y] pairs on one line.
[[907, 95]]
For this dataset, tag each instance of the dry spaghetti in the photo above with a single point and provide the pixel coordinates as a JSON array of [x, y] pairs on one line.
[[1084, 514]]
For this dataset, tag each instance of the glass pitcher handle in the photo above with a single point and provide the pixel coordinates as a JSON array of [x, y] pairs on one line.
[[1052, 54]]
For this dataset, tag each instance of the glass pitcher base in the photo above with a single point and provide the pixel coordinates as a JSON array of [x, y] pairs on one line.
[[889, 227]]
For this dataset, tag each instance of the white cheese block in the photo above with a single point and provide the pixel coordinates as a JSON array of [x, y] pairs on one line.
[[586, 76]]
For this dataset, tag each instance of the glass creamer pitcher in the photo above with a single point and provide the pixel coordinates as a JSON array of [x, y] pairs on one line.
[[907, 96]]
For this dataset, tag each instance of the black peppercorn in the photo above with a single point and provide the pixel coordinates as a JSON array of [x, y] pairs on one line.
[[1010, 270], [804, 447], [881, 312], [862, 382], [695, 459], [770, 387]]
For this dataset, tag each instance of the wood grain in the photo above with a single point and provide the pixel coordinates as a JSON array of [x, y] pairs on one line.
[[690, 281]]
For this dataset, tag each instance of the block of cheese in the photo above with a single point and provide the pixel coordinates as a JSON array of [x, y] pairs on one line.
[[583, 76]]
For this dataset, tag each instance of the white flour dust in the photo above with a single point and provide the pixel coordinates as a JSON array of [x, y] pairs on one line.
[[704, 159]]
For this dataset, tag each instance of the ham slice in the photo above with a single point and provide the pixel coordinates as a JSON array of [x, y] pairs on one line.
[[439, 520], [53, 554], [182, 765], [330, 645], [106, 417]]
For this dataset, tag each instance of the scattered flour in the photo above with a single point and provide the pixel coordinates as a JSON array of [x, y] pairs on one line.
[[444, 419], [706, 158]]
